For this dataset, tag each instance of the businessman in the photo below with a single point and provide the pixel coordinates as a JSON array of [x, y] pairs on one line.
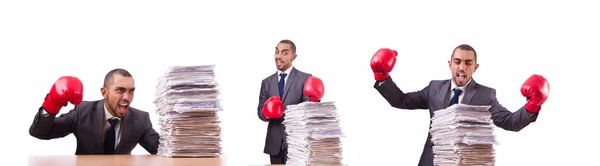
[[107, 126], [462, 88], [288, 86]]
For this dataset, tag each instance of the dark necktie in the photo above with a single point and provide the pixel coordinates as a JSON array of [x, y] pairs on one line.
[[281, 84], [109, 139], [454, 99]]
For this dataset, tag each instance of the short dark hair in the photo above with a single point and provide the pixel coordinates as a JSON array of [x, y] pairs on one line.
[[108, 79], [292, 45], [464, 47]]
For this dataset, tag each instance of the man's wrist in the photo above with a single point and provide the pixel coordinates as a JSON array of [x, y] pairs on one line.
[[44, 113]]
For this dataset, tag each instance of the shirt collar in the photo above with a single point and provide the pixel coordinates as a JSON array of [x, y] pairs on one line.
[[452, 85], [286, 71]]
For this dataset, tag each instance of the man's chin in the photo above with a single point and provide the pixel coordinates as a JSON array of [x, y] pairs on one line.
[[121, 112], [460, 82]]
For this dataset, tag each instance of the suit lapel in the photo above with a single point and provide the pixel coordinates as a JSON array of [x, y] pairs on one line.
[[125, 129], [445, 94], [471, 89], [289, 82], [98, 126], [274, 88]]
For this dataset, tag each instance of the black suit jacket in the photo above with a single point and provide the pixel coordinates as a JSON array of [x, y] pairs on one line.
[[436, 96], [86, 122], [293, 93]]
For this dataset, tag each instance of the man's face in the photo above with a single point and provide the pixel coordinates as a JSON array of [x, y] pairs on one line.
[[463, 65], [284, 56], [119, 95]]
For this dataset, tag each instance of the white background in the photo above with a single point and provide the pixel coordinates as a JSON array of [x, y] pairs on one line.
[[335, 42]]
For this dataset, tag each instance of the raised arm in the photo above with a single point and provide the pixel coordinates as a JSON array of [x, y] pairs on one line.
[[536, 90], [45, 123]]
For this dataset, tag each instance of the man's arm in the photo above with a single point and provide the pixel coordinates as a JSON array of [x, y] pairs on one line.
[[399, 99], [47, 126], [45, 123], [149, 140], [508, 120], [262, 98]]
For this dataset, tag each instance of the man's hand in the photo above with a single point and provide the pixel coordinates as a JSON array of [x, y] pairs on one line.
[[273, 108], [314, 88], [536, 89], [383, 62], [65, 89]]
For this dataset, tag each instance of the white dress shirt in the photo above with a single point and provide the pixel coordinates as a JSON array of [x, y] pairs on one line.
[[286, 77], [452, 86], [107, 116]]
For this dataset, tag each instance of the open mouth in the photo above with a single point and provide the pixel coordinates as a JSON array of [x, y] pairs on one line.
[[123, 108], [461, 77]]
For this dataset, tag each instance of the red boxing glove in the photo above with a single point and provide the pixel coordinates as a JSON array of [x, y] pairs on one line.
[[536, 89], [65, 89], [314, 88], [383, 62], [273, 108]]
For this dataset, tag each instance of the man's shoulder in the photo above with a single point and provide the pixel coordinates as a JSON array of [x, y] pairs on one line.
[[439, 82], [88, 104], [268, 77], [86, 108], [301, 74], [483, 87], [135, 111]]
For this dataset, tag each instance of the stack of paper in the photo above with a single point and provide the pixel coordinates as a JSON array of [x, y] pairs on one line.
[[187, 104], [463, 135], [313, 134]]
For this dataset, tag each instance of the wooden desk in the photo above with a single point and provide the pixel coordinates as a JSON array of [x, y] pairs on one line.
[[122, 160]]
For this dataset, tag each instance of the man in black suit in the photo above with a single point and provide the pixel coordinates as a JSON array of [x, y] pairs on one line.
[[107, 126], [285, 87], [440, 94]]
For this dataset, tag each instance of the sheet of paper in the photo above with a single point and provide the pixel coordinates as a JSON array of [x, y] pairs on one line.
[[187, 104], [463, 135], [313, 134]]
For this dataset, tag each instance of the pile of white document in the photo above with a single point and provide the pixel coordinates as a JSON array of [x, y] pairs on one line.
[[463, 135], [313, 134], [187, 104]]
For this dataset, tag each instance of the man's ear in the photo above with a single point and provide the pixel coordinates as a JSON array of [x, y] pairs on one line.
[[104, 93], [449, 65], [476, 66], [294, 57]]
